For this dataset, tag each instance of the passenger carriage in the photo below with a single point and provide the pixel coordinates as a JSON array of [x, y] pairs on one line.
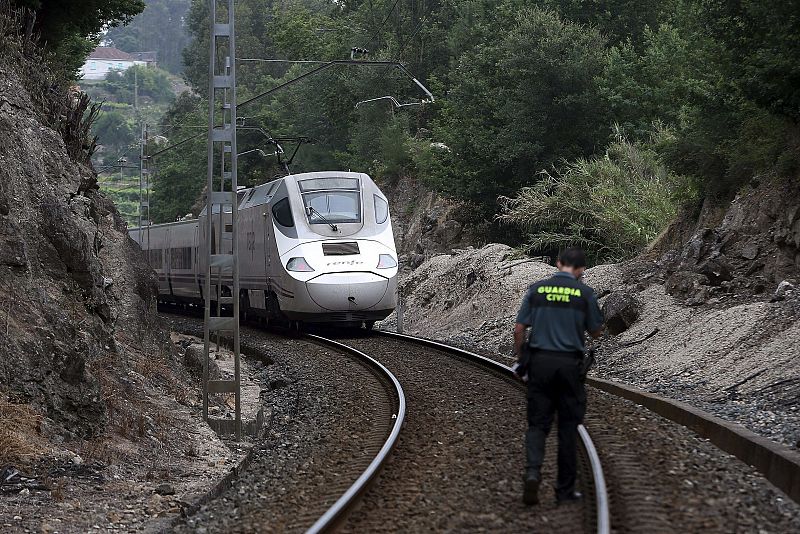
[[314, 247]]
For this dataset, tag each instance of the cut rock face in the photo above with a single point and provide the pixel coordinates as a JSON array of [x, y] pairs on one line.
[[685, 283], [716, 270], [620, 310]]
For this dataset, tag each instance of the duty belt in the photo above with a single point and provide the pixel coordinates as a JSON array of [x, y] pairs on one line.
[[558, 354]]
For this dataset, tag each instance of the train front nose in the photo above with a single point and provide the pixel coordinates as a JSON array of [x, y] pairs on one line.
[[347, 291]]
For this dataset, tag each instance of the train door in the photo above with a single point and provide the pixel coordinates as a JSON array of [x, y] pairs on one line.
[[267, 244]]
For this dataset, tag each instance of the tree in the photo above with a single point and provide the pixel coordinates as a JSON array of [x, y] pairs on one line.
[[71, 28], [114, 128], [764, 42], [519, 104], [152, 82], [619, 21], [180, 175]]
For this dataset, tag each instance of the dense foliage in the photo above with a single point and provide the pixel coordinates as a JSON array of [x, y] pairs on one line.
[[118, 128], [70, 29], [522, 87], [613, 205]]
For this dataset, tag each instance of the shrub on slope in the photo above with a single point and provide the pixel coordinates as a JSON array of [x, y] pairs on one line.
[[613, 205]]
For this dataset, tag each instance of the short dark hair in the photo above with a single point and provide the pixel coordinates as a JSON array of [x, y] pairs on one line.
[[572, 257]]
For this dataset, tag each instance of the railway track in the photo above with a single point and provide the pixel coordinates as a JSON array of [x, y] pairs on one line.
[[591, 466], [338, 511], [336, 416], [456, 464], [342, 499]]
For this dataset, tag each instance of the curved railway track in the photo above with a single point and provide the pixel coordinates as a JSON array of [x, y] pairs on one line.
[[456, 463], [591, 465], [336, 415], [325, 502], [336, 513]]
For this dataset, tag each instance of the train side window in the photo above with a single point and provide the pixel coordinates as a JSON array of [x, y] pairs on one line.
[[181, 258], [381, 210], [283, 213]]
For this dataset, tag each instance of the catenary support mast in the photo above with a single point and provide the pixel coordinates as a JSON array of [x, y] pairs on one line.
[[144, 191], [221, 253]]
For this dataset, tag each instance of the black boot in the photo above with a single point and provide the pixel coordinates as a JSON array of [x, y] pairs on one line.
[[530, 494], [567, 498]]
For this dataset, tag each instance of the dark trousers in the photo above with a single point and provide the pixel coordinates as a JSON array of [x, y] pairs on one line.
[[555, 386]]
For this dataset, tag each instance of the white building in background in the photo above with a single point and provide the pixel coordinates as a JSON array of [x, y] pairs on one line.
[[105, 59]]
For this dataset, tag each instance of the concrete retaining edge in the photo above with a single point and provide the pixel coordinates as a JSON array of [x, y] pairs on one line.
[[779, 464], [192, 503]]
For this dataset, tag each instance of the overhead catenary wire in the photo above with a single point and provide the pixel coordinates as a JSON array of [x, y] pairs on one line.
[[260, 60], [324, 66], [385, 20]]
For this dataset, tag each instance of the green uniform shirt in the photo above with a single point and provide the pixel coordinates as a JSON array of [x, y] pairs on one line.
[[559, 311]]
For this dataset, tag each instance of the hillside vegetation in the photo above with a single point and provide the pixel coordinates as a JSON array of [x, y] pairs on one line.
[[527, 93], [128, 100], [534, 101]]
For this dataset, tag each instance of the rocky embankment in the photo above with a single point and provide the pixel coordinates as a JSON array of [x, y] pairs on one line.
[[98, 418], [714, 322], [426, 224]]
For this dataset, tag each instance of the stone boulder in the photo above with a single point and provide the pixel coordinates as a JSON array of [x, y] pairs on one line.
[[716, 270], [684, 284], [193, 361], [620, 310], [785, 289]]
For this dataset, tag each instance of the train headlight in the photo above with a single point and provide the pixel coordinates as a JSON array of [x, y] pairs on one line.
[[386, 261], [299, 265]]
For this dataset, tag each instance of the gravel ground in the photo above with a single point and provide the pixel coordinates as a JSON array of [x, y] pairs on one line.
[[330, 416], [737, 356], [459, 461], [698, 487], [739, 362]]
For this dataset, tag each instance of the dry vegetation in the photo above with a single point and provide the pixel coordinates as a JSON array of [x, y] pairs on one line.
[[20, 437]]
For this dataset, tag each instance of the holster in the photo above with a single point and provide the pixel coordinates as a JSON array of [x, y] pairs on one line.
[[587, 363], [524, 360]]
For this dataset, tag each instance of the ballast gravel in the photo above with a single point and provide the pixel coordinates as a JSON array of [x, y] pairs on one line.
[[697, 487], [459, 462], [326, 414]]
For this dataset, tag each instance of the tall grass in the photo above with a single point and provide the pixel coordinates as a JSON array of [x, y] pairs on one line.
[[612, 206], [20, 439]]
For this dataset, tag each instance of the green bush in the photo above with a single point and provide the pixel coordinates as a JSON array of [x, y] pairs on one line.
[[612, 205]]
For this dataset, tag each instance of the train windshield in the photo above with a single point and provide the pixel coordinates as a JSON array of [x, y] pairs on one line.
[[332, 200]]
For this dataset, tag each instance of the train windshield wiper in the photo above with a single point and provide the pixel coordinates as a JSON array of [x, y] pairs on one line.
[[312, 211]]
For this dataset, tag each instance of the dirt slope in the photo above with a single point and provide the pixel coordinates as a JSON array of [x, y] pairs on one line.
[[709, 322], [95, 405]]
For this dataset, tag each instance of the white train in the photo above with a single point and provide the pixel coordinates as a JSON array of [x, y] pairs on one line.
[[315, 247]]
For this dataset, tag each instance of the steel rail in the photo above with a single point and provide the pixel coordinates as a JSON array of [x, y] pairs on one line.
[[342, 506], [601, 493]]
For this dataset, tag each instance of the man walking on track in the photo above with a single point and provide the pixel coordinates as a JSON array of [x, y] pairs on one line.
[[559, 310]]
